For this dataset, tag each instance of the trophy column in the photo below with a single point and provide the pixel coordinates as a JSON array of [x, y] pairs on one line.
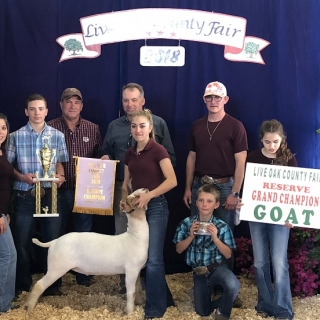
[[46, 155]]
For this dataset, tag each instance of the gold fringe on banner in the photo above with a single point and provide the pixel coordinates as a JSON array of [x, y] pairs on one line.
[[91, 210]]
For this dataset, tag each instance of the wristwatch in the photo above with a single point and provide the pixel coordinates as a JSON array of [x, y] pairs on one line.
[[235, 194]]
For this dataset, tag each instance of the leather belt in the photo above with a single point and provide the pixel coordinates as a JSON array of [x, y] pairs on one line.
[[204, 270], [32, 192], [205, 179]]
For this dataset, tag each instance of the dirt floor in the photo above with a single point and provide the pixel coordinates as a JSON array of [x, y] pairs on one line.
[[101, 301]]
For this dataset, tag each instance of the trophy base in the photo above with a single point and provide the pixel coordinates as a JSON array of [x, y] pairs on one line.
[[44, 179], [46, 215]]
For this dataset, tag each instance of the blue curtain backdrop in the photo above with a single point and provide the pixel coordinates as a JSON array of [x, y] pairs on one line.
[[285, 88]]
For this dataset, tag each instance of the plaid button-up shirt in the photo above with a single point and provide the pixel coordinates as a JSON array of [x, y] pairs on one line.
[[23, 151], [202, 251], [84, 141]]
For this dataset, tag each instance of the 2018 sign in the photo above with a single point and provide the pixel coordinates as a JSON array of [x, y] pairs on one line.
[[162, 56]]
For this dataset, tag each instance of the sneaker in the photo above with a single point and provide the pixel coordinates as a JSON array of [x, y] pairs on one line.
[[14, 307], [237, 303], [84, 282], [190, 293], [52, 292], [262, 314], [123, 290], [219, 317]]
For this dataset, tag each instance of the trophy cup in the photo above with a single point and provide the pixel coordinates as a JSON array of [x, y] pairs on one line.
[[45, 154]]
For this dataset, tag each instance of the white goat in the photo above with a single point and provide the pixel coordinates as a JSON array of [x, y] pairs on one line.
[[97, 254]]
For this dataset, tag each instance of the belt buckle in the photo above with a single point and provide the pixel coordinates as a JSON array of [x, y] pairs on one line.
[[207, 180], [33, 192], [201, 271]]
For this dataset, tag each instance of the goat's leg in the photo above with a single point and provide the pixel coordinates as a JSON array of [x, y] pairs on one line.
[[131, 278], [138, 293], [39, 288]]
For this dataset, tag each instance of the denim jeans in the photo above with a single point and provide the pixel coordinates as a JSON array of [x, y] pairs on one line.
[[156, 286], [81, 222], [220, 213], [275, 300], [24, 227], [120, 218], [8, 261], [203, 286]]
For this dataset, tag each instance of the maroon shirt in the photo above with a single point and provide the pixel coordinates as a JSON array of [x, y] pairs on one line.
[[6, 173], [84, 141], [144, 167], [256, 156], [216, 157]]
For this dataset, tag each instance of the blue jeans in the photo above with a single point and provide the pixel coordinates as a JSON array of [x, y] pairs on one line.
[[156, 286], [120, 218], [8, 261], [81, 222], [220, 213], [24, 227], [203, 286], [274, 300]]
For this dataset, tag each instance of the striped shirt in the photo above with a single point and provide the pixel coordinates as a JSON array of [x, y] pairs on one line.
[[24, 147], [84, 141], [202, 251]]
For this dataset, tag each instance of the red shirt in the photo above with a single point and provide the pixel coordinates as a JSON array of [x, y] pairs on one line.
[[84, 141], [216, 157], [144, 167]]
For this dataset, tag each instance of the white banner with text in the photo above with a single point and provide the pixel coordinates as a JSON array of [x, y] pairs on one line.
[[160, 23], [280, 194]]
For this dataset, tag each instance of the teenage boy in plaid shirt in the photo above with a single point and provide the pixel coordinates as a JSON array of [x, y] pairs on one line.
[[206, 253], [24, 144]]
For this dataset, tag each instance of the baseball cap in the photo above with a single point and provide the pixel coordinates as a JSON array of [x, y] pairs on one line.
[[69, 92], [215, 88]]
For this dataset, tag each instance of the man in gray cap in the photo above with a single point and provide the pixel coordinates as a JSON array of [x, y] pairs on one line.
[[83, 139]]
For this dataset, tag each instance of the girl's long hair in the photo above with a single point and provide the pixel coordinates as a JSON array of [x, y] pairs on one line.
[[5, 142], [283, 154]]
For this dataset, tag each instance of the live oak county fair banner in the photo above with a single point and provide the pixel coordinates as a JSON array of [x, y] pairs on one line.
[[95, 180], [280, 194], [163, 23]]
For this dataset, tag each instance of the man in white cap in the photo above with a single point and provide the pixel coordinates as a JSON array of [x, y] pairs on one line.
[[218, 150], [217, 155]]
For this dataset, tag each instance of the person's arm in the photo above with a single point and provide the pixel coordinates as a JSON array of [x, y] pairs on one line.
[[240, 159], [190, 166], [126, 185], [60, 174], [107, 152], [167, 143], [222, 247], [184, 244], [26, 178], [169, 183]]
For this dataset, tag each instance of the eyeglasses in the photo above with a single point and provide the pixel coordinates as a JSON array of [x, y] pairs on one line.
[[213, 97]]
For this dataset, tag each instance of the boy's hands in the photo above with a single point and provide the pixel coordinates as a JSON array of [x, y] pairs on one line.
[[194, 228], [213, 231]]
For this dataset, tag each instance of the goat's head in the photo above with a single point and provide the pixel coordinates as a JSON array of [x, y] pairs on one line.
[[130, 200]]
